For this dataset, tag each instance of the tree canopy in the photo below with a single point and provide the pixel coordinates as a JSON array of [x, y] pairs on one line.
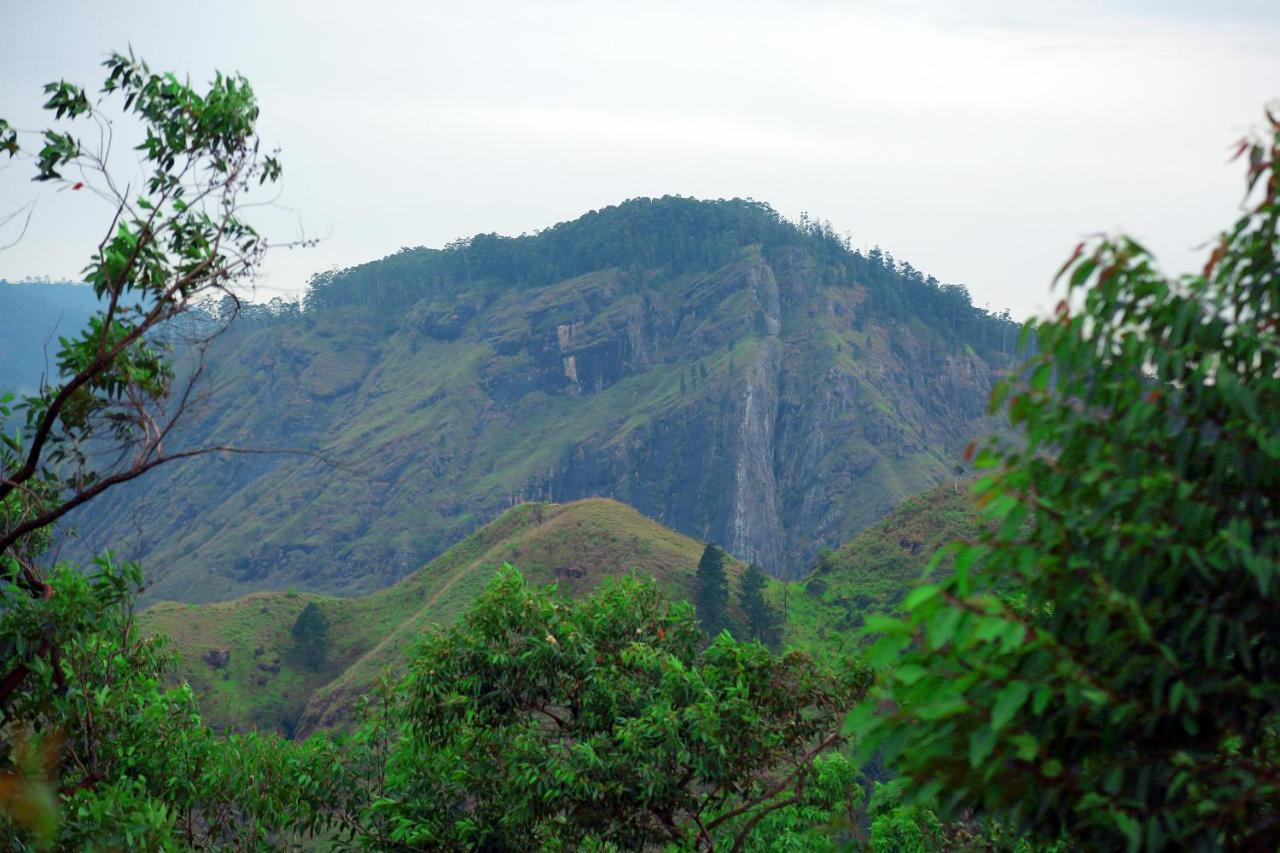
[[540, 721], [673, 234]]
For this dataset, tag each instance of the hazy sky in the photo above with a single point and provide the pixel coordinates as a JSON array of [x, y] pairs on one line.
[[979, 141]]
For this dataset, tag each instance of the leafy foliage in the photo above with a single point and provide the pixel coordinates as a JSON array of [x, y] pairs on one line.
[[537, 721], [904, 825], [179, 240], [534, 720], [870, 574], [825, 817], [1104, 662], [100, 754]]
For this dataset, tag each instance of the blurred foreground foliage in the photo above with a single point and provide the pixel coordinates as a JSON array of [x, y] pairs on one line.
[[1104, 663]]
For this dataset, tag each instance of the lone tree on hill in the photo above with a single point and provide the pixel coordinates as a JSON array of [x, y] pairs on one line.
[[762, 617], [311, 636], [712, 595]]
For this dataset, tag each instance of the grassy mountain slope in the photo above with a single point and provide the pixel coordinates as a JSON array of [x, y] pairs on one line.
[[873, 571], [736, 377], [263, 684]]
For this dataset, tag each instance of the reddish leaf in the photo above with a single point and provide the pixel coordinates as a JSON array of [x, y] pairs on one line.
[[1214, 258], [1075, 256]]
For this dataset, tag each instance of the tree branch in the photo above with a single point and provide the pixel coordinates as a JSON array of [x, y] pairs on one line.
[[823, 745], [52, 515]]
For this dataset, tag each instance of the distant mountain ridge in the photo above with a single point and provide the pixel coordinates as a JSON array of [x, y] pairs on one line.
[[738, 377], [33, 314]]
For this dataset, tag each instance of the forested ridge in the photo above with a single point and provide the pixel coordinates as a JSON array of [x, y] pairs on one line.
[[674, 234], [1068, 643]]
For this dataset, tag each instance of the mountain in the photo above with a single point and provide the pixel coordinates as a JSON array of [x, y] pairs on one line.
[[240, 656], [735, 376], [34, 315]]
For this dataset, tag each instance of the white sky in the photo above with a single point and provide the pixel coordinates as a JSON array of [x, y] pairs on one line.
[[979, 141]]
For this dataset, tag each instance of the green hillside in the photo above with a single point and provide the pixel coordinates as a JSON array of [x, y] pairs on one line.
[[873, 571], [239, 655], [737, 377], [263, 683]]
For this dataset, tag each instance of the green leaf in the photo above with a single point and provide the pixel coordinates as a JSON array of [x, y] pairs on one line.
[[941, 627], [1040, 698], [910, 673], [1027, 746], [981, 743], [1008, 702], [919, 595], [858, 719], [1040, 378]]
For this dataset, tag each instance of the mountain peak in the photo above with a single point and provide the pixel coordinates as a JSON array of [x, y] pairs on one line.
[[677, 234]]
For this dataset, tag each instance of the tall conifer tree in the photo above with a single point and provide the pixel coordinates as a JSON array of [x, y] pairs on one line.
[[762, 617], [712, 595]]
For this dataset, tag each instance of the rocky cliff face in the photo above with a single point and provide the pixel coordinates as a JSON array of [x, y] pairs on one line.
[[777, 396], [811, 430]]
